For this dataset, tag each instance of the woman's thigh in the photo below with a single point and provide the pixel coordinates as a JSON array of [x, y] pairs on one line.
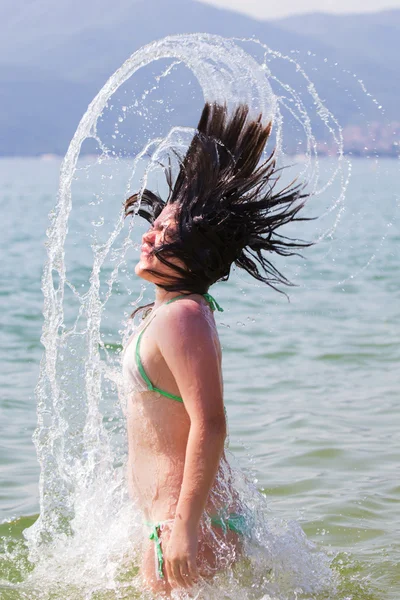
[[218, 550], [149, 569]]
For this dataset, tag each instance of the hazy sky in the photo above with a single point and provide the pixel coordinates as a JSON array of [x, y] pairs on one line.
[[264, 9]]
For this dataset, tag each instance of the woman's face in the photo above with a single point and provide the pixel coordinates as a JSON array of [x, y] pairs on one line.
[[163, 228]]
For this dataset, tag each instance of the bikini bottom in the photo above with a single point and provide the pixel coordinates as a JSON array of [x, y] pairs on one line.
[[236, 522]]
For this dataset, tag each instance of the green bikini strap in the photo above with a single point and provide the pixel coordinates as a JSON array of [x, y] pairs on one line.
[[212, 301], [150, 386], [155, 537]]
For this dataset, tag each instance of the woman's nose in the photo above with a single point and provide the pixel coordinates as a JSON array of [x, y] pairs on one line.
[[148, 237]]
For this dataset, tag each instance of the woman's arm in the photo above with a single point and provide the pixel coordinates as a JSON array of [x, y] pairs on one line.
[[187, 345]]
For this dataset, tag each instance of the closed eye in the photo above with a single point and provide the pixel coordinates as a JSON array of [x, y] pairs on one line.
[[157, 227]]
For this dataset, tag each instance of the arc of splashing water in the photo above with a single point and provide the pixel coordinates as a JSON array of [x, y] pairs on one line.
[[226, 73]]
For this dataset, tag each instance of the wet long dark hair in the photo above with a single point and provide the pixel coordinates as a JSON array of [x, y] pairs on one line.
[[228, 210]]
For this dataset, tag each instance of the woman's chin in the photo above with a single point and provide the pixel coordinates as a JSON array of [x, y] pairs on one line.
[[148, 269], [142, 270]]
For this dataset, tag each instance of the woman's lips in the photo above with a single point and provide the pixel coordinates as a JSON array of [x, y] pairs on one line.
[[146, 250]]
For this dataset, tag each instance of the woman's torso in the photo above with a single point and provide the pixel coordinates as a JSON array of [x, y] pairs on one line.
[[158, 426]]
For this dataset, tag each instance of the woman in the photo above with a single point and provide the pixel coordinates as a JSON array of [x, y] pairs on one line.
[[221, 210]]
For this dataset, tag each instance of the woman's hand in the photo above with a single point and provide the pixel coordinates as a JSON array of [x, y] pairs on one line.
[[180, 556]]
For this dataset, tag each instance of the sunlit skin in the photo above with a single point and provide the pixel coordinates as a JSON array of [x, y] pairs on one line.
[[175, 450]]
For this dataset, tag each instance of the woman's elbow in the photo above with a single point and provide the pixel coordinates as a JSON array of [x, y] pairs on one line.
[[215, 426]]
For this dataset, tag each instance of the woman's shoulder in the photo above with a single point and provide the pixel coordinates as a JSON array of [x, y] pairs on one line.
[[190, 313], [185, 327], [191, 306]]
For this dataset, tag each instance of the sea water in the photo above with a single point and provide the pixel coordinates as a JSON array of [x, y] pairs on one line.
[[85, 542]]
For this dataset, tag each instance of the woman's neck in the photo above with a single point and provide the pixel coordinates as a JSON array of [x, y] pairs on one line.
[[163, 296]]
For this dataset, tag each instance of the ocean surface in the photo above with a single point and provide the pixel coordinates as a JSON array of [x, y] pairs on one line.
[[312, 386]]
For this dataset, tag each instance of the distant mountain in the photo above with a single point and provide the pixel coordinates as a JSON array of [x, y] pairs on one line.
[[373, 37], [55, 56], [39, 111], [102, 42]]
